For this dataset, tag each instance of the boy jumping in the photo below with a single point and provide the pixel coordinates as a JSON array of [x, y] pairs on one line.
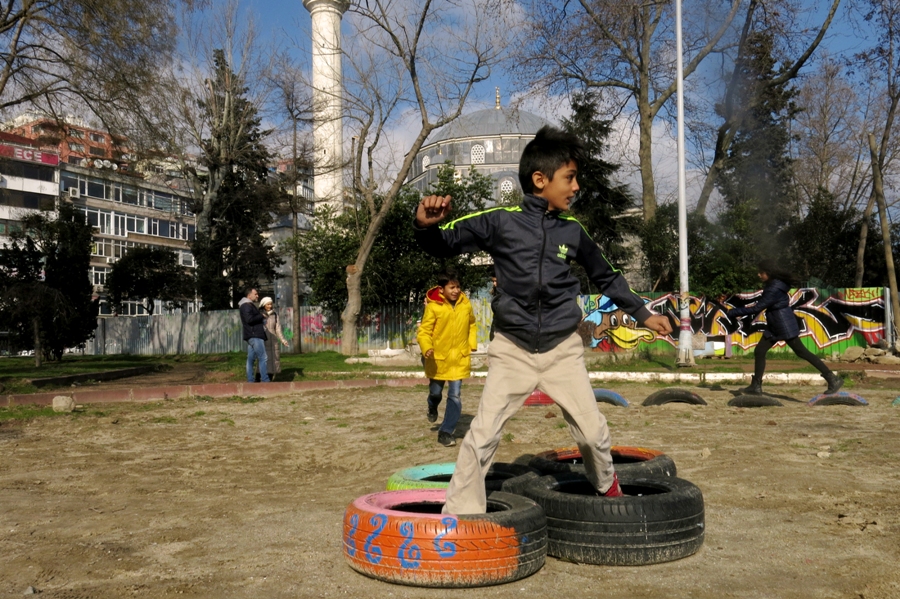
[[536, 315]]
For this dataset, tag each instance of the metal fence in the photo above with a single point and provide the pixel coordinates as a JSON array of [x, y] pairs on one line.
[[831, 321], [221, 331]]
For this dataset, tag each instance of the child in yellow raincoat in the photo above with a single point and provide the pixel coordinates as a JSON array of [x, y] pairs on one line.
[[447, 337]]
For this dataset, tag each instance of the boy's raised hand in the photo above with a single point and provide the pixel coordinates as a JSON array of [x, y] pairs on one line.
[[432, 210]]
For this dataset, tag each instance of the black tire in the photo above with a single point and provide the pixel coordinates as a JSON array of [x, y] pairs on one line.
[[674, 396], [402, 537], [657, 520], [510, 478], [838, 399], [753, 401], [628, 461]]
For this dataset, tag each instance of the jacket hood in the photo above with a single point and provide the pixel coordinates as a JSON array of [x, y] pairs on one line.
[[434, 295]]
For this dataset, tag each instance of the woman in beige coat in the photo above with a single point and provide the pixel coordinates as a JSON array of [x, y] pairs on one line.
[[274, 335]]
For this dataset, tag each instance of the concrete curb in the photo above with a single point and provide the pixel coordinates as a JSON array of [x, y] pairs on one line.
[[390, 379], [775, 378], [145, 394]]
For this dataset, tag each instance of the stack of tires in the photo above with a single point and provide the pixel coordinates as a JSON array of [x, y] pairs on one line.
[[660, 518], [545, 508]]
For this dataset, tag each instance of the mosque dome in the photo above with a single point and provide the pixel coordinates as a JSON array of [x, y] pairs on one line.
[[490, 122], [490, 141]]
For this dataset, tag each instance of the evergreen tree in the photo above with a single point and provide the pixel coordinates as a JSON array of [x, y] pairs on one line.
[[231, 252], [756, 182], [146, 274], [47, 296], [601, 204]]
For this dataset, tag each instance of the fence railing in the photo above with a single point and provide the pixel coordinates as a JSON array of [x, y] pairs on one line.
[[830, 321]]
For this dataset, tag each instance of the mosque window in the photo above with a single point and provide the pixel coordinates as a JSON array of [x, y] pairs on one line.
[[478, 154], [426, 162], [507, 190]]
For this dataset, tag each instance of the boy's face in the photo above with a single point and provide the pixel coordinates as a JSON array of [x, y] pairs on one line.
[[559, 190], [451, 290]]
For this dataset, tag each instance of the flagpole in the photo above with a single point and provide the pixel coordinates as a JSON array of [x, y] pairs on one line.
[[685, 335]]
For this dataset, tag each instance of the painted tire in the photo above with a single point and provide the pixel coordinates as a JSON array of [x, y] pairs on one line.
[[674, 396], [753, 401], [538, 398], [610, 397], [402, 537], [628, 461], [657, 520], [841, 398], [510, 478]]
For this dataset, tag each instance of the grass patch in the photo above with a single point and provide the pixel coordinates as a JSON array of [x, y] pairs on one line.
[[198, 414], [25, 413], [561, 425], [227, 421], [508, 437], [164, 420]]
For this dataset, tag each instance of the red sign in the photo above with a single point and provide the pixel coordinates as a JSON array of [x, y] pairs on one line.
[[29, 155]]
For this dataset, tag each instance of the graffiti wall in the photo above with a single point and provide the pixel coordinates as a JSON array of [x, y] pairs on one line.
[[829, 321]]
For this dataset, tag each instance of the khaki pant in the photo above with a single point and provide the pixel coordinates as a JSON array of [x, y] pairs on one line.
[[514, 373]]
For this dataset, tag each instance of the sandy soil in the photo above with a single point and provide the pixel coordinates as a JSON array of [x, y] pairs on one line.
[[228, 499]]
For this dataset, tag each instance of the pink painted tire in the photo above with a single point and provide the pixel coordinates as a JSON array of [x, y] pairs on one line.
[[402, 537]]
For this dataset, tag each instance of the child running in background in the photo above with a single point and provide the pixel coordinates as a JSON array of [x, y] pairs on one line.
[[447, 338]]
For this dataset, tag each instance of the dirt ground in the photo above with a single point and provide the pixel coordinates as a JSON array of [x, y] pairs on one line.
[[224, 498]]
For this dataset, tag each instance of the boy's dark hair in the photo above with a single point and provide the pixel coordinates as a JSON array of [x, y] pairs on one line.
[[550, 149], [447, 276], [776, 271]]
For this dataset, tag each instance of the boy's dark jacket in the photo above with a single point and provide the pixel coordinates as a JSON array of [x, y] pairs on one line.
[[781, 322], [532, 249]]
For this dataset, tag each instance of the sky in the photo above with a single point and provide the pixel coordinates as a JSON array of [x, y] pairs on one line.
[[289, 21]]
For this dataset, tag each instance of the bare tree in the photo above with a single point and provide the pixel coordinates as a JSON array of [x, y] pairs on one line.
[[759, 18], [828, 149], [103, 54], [623, 49], [882, 70], [412, 66], [294, 103]]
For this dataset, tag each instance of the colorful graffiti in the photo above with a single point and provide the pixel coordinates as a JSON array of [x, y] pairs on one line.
[[829, 321]]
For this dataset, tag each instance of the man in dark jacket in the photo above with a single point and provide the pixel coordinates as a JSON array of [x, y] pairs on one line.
[[254, 334]]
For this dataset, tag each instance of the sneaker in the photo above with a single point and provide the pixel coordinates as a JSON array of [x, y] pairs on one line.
[[614, 489], [432, 414], [446, 439]]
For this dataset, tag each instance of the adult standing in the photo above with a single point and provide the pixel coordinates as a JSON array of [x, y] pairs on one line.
[[781, 325], [273, 337], [254, 334]]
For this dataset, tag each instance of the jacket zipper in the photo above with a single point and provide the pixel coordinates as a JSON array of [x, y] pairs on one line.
[[537, 341]]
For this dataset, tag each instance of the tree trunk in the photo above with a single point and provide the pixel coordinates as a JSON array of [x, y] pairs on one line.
[[878, 192], [295, 280], [350, 315], [645, 154], [38, 351], [863, 236]]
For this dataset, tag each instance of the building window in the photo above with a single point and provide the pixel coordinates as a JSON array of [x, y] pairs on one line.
[[97, 151], [507, 190], [76, 133], [76, 147], [98, 138], [478, 154], [426, 162]]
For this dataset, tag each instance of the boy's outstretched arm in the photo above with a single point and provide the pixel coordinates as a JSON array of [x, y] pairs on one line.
[[432, 210]]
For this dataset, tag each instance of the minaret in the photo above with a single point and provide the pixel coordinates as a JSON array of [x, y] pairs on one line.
[[327, 84]]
